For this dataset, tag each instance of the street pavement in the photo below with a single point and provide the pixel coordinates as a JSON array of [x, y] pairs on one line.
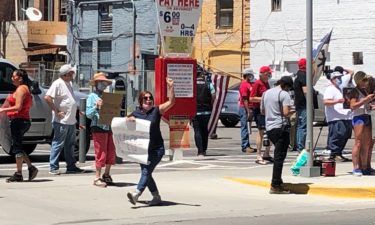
[[226, 187]]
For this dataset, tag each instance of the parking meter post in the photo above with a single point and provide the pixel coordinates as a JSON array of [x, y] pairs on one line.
[[82, 130]]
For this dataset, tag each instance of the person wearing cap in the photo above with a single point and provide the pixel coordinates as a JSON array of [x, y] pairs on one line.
[[360, 103], [105, 152], [245, 112], [300, 91], [338, 118], [276, 106], [260, 86], [60, 98]]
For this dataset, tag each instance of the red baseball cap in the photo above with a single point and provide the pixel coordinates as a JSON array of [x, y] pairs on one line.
[[265, 69], [302, 63]]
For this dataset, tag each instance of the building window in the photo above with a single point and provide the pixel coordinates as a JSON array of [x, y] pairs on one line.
[[357, 58], [105, 18], [85, 62], [63, 10], [104, 54], [224, 14], [275, 5]]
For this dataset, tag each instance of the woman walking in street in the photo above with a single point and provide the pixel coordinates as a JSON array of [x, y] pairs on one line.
[[105, 153], [20, 103], [360, 104], [148, 111]]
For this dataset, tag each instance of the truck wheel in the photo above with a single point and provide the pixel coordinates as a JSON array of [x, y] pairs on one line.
[[228, 122], [28, 148]]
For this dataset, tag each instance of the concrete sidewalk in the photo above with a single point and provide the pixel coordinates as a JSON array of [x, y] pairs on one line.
[[187, 195]]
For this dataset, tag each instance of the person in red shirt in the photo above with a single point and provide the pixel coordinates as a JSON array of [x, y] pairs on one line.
[[259, 87], [20, 102], [244, 109]]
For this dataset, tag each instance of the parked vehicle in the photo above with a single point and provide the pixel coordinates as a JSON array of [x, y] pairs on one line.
[[230, 116], [41, 131]]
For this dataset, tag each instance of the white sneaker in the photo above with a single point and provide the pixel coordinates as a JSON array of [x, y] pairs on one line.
[[54, 172], [133, 197]]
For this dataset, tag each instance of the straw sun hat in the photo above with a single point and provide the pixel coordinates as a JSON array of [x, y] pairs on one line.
[[99, 77]]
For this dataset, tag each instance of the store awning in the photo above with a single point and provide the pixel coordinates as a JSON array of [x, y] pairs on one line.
[[44, 49]]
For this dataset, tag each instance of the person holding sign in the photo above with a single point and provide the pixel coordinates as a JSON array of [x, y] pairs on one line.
[[148, 111], [105, 153]]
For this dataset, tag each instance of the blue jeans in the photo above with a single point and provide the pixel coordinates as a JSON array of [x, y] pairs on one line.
[[154, 157], [339, 132], [244, 128], [64, 137], [301, 129]]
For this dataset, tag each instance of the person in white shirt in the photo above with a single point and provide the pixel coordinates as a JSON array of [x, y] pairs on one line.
[[60, 98], [338, 119]]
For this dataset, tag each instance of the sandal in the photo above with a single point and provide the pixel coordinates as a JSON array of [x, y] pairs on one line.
[[268, 158], [261, 162], [107, 179], [100, 183]]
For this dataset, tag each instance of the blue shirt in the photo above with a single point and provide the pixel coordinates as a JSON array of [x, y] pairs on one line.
[[93, 113], [153, 115]]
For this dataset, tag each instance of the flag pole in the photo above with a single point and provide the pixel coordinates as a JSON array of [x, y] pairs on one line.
[[309, 170]]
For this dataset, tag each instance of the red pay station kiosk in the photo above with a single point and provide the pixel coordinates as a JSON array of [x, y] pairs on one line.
[[183, 73]]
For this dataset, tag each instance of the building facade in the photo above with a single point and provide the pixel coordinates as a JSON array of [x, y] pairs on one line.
[[35, 38], [222, 38], [116, 37], [278, 35]]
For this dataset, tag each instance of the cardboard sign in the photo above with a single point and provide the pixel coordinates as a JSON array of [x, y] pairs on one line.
[[111, 107], [178, 19], [179, 132]]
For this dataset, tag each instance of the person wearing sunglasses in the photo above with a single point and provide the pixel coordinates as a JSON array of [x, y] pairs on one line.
[[148, 111]]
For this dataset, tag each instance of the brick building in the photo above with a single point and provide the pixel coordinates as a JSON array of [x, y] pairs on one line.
[[222, 38]]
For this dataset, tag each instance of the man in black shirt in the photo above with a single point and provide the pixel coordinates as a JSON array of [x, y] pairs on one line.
[[300, 91]]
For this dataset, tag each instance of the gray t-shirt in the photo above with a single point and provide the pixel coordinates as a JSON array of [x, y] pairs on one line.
[[271, 105]]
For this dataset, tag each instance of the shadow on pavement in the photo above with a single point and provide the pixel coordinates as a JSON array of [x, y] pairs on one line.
[[164, 203], [39, 180], [299, 188], [122, 184]]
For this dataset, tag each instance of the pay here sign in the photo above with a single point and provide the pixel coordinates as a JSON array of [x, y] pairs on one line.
[[178, 20]]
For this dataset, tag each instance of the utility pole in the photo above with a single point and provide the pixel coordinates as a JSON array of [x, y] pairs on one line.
[[309, 170]]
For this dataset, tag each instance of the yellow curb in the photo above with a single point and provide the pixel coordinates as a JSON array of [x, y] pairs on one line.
[[304, 188]]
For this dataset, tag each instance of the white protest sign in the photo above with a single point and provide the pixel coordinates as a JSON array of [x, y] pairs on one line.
[[178, 21], [131, 139]]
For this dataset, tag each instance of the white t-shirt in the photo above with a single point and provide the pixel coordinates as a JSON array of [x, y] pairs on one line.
[[336, 111], [271, 101], [63, 98]]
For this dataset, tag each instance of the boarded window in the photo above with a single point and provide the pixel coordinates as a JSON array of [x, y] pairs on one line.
[[357, 58], [275, 5], [224, 14], [105, 18]]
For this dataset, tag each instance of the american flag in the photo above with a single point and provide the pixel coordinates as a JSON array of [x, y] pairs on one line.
[[220, 83]]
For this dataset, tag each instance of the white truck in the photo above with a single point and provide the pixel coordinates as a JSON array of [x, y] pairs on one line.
[[41, 131]]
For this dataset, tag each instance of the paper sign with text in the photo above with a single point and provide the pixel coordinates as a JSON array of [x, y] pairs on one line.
[[179, 132], [111, 107]]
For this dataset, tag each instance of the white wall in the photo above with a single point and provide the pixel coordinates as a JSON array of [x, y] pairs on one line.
[[280, 36]]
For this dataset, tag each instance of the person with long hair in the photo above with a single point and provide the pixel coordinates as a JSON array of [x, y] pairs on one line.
[[148, 111], [360, 104], [18, 112]]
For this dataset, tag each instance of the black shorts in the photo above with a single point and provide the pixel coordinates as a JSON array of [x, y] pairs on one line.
[[18, 127], [259, 119]]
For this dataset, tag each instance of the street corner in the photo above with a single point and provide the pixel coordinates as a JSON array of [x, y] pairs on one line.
[[304, 188]]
